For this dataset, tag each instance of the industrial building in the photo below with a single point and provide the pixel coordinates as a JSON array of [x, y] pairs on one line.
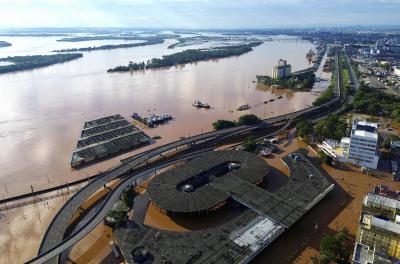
[[378, 236], [205, 184], [282, 70], [105, 137]]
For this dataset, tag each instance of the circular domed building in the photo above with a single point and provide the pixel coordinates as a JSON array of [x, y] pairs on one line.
[[201, 184]]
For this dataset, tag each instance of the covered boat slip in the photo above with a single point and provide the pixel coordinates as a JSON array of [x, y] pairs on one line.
[[105, 137]]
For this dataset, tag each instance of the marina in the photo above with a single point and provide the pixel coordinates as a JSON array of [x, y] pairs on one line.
[[104, 137]]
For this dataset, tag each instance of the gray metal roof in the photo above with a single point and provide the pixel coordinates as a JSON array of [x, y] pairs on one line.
[[382, 200], [165, 189], [262, 220]]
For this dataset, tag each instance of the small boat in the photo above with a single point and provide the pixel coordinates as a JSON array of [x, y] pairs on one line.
[[271, 100], [199, 104], [243, 107]]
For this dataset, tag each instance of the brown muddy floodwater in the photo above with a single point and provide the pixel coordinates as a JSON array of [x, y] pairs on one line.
[[42, 111]]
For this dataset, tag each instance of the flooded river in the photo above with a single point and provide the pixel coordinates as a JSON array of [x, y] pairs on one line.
[[42, 111]]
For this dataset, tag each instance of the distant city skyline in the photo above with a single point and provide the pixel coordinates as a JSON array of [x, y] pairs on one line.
[[204, 14]]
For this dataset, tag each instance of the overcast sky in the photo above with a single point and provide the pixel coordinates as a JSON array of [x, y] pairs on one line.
[[197, 14]]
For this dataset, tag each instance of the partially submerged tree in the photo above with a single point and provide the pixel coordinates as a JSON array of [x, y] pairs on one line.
[[333, 249]]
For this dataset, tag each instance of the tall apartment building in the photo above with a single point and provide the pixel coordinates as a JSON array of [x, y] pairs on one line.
[[282, 70], [363, 149], [378, 236]]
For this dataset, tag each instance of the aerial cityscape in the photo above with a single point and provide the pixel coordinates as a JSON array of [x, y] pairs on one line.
[[182, 131]]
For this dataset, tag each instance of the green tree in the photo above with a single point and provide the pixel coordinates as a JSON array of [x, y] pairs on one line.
[[119, 216], [128, 195], [333, 248], [325, 158], [387, 142], [223, 124], [248, 120], [250, 145], [304, 129], [332, 127]]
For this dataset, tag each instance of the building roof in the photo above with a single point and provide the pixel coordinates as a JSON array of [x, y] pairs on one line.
[[200, 176], [382, 200], [386, 225], [364, 255], [262, 219], [365, 129]]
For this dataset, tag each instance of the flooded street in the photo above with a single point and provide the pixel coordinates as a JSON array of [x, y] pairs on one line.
[[42, 111]]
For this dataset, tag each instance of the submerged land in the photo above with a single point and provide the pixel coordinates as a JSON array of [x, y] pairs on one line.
[[20, 63], [189, 56]]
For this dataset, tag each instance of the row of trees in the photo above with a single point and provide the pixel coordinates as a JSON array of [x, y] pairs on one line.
[[247, 120], [189, 56], [31, 62]]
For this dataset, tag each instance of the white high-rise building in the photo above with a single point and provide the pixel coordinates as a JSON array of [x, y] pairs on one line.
[[282, 70], [363, 150]]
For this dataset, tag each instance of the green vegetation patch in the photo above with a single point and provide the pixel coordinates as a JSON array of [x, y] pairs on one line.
[[21, 63], [189, 56], [335, 249], [325, 97], [300, 82], [115, 46], [332, 127], [245, 120], [374, 102], [329, 93]]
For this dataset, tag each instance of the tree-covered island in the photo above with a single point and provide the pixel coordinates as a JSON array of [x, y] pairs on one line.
[[115, 46], [20, 63], [189, 56]]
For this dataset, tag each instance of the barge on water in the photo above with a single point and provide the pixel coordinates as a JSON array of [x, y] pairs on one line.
[[153, 120], [199, 104], [243, 107]]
